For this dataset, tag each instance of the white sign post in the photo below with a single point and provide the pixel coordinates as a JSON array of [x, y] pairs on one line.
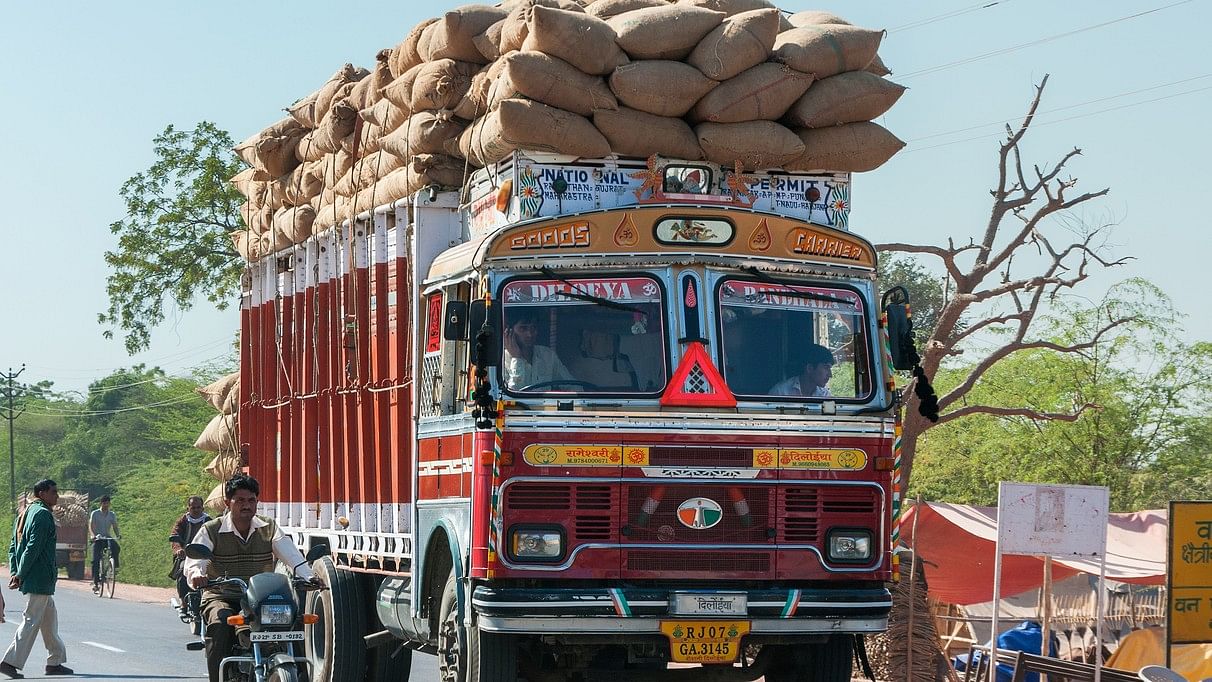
[[1065, 521]]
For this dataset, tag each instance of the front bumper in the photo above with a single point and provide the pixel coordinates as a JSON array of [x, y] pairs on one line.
[[785, 611]]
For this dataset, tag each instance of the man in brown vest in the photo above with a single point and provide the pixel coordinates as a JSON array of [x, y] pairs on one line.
[[242, 544]]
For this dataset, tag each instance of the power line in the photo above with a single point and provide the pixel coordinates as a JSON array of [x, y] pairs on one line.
[[1062, 120], [1033, 43], [948, 15], [55, 412], [170, 357], [1064, 108]]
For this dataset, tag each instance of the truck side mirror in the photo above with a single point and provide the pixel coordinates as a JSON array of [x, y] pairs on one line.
[[900, 329], [455, 327], [482, 332]]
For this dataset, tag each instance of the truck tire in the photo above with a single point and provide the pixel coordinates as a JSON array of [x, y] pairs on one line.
[[487, 657], [382, 666], [834, 660], [75, 570], [334, 647]]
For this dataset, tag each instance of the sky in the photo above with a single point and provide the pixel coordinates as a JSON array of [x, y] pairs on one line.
[[86, 86]]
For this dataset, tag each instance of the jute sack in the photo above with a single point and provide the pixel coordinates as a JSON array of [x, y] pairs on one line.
[[489, 42], [660, 86], [756, 144], [306, 148], [231, 404], [275, 156], [295, 222], [475, 103], [423, 133], [844, 98], [853, 147], [246, 244], [384, 114], [368, 90], [636, 133], [339, 122], [665, 32], [219, 435], [224, 465], [252, 189], [391, 187], [363, 141], [523, 124], [399, 91], [441, 84], [257, 218], [310, 110], [516, 28], [741, 42], [215, 502], [305, 182], [216, 391], [246, 150], [406, 55], [731, 7], [605, 9], [813, 18], [452, 35], [762, 93], [368, 170], [437, 169], [552, 81], [585, 41], [828, 49], [334, 166]]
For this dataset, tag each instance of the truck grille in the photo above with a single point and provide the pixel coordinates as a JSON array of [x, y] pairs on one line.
[[571, 502], [700, 457], [734, 527], [690, 562], [803, 507]]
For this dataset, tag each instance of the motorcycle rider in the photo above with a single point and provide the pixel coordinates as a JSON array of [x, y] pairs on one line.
[[243, 544], [184, 530]]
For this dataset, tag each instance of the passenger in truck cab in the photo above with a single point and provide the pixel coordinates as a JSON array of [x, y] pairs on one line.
[[527, 363], [815, 364]]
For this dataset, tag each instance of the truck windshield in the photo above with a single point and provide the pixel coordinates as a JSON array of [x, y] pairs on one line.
[[786, 342], [586, 335]]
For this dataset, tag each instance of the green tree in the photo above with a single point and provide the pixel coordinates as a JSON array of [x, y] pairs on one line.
[[173, 244]]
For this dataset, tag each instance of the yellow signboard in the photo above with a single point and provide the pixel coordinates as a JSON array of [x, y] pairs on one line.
[[585, 455], [814, 458], [1190, 593]]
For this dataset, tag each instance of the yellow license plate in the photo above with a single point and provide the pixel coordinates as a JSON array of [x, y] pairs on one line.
[[704, 641]]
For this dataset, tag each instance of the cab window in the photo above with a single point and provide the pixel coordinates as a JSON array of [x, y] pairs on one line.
[[599, 335], [798, 343]]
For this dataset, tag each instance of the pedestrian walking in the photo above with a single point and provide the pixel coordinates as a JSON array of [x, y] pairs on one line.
[[31, 563]]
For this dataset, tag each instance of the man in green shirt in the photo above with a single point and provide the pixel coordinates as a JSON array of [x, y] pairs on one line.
[[31, 563]]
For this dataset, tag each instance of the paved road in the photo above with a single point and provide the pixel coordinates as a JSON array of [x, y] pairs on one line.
[[118, 639]]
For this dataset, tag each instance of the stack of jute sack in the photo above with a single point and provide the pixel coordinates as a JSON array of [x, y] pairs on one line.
[[221, 435], [730, 81]]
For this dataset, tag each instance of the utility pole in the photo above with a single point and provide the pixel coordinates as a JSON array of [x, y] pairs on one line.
[[11, 415]]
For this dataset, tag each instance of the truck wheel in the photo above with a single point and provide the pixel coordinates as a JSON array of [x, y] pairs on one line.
[[487, 657], [75, 570], [829, 661], [334, 647], [381, 666]]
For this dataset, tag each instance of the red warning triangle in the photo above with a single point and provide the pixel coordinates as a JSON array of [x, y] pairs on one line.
[[697, 382]]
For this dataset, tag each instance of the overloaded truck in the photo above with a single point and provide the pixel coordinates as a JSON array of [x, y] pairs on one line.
[[570, 414], [71, 531]]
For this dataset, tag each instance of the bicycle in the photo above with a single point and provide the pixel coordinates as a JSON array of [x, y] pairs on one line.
[[108, 576]]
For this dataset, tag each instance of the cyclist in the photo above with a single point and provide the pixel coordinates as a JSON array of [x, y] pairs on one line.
[[243, 544], [184, 530], [103, 528]]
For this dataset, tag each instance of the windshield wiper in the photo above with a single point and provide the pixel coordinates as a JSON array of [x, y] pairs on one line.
[[803, 295], [581, 295]]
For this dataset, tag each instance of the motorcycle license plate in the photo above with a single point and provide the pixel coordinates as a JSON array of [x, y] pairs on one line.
[[704, 641], [280, 636]]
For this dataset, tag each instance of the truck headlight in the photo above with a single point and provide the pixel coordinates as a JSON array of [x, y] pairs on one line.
[[536, 544], [277, 614], [850, 545]]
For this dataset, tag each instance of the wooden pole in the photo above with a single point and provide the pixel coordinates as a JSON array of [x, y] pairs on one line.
[[1045, 643], [917, 512]]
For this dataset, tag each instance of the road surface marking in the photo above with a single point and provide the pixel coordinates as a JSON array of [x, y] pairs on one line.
[[106, 647]]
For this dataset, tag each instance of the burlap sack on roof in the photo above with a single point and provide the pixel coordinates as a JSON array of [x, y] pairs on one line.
[[515, 28], [257, 218], [423, 133], [306, 182], [756, 144], [762, 93], [275, 156], [219, 435], [245, 183], [475, 101], [845, 98], [399, 91], [552, 81], [384, 114], [307, 150], [334, 166], [365, 140], [310, 110], [523, 124], [246, 150], [853, 147], [406, 55], [294, 223], [605, 9], [216, 391], [828, 49], [391, 187], [215, 502], [585, 41], [369, 90], [452, 36], [231, 404], [489, 42], [441, 84], [636, 133], [368, 170], [878, 67], [224, 465], [339, 122], [570, 5], [438, 169], [665, 32], [246, 244], [741, 42], [659, 86]]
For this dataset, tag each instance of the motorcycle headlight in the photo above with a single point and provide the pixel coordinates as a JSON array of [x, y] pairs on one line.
[[850, 545], [537, 544], [277, 614]]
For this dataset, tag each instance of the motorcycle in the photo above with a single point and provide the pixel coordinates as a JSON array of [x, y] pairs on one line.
[[269, 625], [190, 613]]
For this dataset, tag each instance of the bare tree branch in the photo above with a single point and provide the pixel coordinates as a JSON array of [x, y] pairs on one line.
[[1036, 415]]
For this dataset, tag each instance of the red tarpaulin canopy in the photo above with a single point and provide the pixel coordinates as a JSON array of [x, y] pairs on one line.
[[956, 544]]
